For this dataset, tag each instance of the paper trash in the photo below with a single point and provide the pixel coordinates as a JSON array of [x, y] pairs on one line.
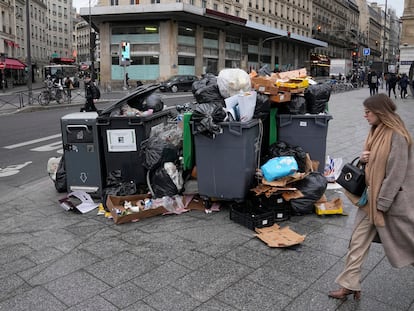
[[275, 236]]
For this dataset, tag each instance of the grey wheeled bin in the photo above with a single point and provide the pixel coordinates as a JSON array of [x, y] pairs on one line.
[[226, 165], [82, 152], [308, 131]]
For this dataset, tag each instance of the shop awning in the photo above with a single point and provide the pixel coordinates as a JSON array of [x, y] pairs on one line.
[[14, 64]]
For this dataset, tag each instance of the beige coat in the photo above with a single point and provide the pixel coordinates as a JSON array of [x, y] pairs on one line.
[[396, 200]]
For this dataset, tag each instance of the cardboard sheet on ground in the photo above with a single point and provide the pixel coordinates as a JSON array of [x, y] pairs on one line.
[[275, 236]]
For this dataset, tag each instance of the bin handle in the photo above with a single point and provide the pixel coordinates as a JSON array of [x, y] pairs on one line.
[[235, 128], [287, 118], [135, 121], [68, 127], [322, 121]]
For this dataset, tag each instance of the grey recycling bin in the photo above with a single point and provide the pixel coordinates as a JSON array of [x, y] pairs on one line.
[[82, 152]]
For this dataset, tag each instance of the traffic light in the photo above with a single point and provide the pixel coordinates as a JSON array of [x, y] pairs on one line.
[[92, 40], [319, 28], [288, 34], [376, 42], [124, 53]]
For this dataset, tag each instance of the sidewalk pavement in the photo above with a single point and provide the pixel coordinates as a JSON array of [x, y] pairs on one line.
[[57, 260]]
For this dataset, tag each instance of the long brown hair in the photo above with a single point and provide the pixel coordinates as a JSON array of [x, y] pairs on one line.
[[385, 109]]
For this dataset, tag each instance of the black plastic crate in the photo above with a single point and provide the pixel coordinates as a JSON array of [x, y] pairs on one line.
[[251, 216], [280, 207]]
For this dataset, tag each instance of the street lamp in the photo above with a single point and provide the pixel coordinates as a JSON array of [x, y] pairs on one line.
[[91, 46], [270, 38], [383, 40], [29, 54]]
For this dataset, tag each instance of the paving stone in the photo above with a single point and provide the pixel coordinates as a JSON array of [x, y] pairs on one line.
[[76, 287], [120, 268], [248, 295], [161, 277], [193, 259], [139, 306], [12, 285], [171, 299], [215, 305], [37, 299], [124, 295], [63, 266], [45, 255], [14, 252], [248, 257], [96, 303], [393, 287], [278, 281], [211, 279]]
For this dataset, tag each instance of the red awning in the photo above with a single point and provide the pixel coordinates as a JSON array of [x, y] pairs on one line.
[[14, 64]]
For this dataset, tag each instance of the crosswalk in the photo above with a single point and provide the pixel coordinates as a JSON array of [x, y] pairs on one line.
[[14, 169], [48, 147]]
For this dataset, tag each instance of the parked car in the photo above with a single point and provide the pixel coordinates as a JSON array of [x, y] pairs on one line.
[[178, 83]]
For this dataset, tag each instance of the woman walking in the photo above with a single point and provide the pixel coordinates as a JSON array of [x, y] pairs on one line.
[[389, 212]]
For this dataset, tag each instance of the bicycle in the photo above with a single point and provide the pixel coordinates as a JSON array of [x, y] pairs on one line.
[[53, 91]]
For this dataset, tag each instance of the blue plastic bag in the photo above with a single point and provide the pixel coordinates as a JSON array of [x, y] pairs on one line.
[[279, 167]]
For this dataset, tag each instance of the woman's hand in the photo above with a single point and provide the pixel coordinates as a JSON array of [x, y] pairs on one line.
[[364, 158]]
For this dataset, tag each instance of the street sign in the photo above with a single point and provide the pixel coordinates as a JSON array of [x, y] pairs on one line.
[[367, 51], [2, 66]]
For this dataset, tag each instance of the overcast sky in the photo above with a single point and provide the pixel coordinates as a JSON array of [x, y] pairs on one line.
[[398, 5]]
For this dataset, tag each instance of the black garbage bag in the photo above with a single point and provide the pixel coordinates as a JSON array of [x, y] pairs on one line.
[[206, 118], [317, 96], [312, 187], [282, 148], [153, 102], [155, 151], [206, 90], [162, 185], [297, 105], [117, 186], [60, 181], [262, 108]]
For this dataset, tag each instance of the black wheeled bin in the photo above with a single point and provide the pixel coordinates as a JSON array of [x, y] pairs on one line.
[[226, 164], [308, 131], [121, 138]]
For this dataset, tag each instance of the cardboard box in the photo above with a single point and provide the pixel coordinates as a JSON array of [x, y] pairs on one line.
[[264, 85], [281, 97], [115, 203], [333, 207]]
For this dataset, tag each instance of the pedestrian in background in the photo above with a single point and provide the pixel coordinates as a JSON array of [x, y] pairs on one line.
[[403, 86], [91, 94], [127, 79], [389, 213], [69, 86], [392, 83], [373, 82]]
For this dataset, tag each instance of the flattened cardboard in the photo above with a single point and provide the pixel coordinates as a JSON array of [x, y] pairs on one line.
[[275, 236], [115, 202]]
